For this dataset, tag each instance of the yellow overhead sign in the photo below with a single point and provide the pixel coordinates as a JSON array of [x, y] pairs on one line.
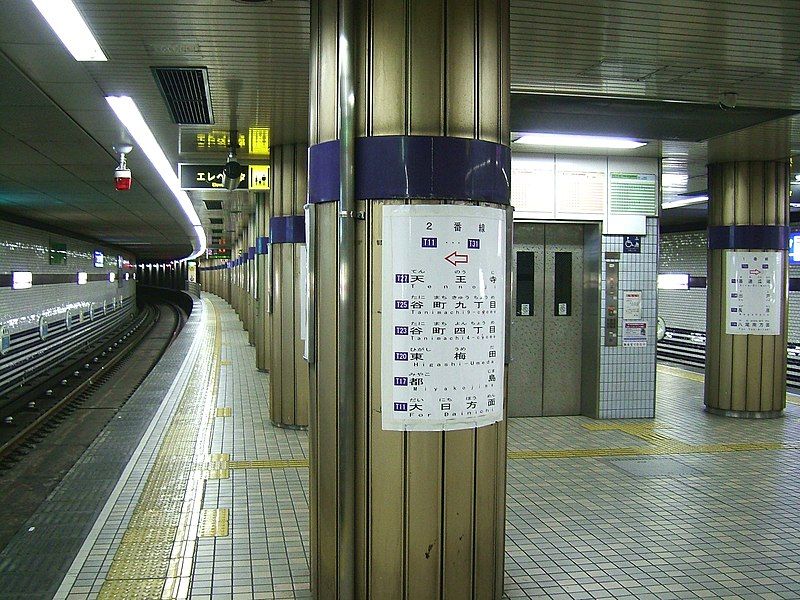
[[258, 177], [258, 138]]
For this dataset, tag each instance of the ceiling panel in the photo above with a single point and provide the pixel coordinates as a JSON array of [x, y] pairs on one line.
[[53, 115]]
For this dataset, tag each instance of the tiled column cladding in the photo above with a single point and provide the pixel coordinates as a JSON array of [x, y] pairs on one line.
[[628, 375], [27, 249]]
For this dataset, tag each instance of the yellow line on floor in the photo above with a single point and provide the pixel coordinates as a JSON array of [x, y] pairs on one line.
[[155, 554]]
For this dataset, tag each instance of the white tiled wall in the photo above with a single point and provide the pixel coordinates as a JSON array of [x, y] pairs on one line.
[[686, 309], [27, 249], [628, 375]]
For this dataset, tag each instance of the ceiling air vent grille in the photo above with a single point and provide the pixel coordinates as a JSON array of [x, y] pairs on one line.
[[185, 90], [213, 204]]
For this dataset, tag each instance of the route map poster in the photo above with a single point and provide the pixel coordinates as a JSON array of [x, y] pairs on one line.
[[443, 317], [753, 292]]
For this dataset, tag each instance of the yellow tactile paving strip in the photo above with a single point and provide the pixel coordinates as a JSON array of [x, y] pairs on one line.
[[155, 555], [214, 522]]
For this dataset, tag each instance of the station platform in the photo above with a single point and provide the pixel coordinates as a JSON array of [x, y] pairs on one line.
[[213, 502]]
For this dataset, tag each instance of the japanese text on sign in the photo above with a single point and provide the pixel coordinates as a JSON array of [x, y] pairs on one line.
[[753, 292], [443, 326]]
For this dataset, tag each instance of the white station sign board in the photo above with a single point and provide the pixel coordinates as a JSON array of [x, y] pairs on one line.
[[443, 317], [753, 292]]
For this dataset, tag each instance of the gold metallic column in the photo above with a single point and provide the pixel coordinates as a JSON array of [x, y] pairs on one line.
[[262, 282], [288, 384], [427, 513], [748, 210], [250, 267]]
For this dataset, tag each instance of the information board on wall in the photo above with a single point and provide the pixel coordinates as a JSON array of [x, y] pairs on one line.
[[443, 317], [634, 334], [632, 193], [534, 188], [632, 305], [580, 192], [753, 299]]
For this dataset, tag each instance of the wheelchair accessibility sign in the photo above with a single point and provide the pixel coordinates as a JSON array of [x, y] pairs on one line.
[[632, 244]]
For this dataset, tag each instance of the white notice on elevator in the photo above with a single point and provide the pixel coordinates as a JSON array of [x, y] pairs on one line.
[[753, 292], [443, 317]]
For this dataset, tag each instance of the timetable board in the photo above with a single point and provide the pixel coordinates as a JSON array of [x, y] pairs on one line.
[[443, 316]]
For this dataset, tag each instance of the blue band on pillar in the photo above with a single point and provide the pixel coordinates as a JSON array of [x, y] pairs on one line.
[[287, 230], [410, 166], [251, 252], [748, 237], [262, 245]]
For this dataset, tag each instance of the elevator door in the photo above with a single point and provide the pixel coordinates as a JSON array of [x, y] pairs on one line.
[[546, 329]]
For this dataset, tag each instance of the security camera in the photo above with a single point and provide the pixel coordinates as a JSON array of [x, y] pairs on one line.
[[122, 174], [232, 173]]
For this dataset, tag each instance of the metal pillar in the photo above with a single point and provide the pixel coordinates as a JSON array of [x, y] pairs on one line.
[[395, 514], [288, 385], [748, 211], [262, 282], [251, 281]]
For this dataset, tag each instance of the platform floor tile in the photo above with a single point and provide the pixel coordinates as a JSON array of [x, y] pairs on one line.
[[688, 505]]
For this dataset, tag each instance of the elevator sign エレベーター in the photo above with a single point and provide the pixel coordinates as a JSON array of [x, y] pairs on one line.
[[443, 317]]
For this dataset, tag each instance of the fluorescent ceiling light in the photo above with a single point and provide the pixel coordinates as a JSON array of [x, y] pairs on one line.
[[112, 277], [684, 202], [71, 29], [127, 112], [579, 141], [82, 278]]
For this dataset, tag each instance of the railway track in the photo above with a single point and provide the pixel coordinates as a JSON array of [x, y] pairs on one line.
[[46, 439]]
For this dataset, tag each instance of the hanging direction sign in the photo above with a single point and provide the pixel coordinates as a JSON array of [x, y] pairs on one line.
[[443, 318]]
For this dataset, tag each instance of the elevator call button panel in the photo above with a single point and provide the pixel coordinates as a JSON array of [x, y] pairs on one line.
[[612, 299]]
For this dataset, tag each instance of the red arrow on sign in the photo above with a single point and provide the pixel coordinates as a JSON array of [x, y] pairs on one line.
[[455, 259]]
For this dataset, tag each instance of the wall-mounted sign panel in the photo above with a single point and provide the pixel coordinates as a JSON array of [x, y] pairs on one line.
[[753, 299], [219, 253], [443, 317], [634, 334], [205, 177], [632, 244], [533, 188], [58, 253], [21, 280], [98, 259], [794, 248], [632, 193], [632, 305]]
